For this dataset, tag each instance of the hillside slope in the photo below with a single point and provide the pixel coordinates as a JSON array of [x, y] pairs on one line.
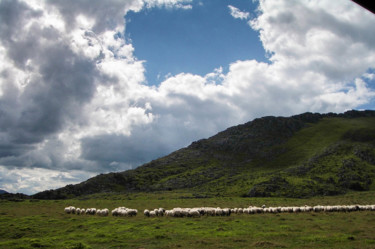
[[300, 156]]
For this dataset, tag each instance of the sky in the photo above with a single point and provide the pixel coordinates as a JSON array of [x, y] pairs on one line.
[[91, 86]]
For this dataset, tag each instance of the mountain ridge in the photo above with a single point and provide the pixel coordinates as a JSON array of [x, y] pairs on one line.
[[263, 157]]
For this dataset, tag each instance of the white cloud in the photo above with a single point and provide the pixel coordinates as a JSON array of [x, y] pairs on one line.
[[77, 101], [30, 181], [326, 37], [178, 4], [369, 76], [238, 14]]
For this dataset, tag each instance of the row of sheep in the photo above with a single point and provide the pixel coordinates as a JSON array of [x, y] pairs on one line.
[[211, 211], [120, 211], [88, 211], [124, 212]]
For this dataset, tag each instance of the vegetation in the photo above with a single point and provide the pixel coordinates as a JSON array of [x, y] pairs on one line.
[[300, 156], [43, 224], [308, 159]]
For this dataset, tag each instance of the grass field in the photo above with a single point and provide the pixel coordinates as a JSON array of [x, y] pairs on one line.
[[43, 224]]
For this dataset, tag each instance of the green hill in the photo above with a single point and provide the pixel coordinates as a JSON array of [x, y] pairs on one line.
[[300, 156]]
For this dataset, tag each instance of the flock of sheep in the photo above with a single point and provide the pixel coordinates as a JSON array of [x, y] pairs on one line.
[[211, 211], [89, 211]]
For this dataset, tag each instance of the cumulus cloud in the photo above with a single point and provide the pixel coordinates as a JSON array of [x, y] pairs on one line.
[[327, 38], [28, 180], [178, 4], [74, 103], [238, 14], [369, 76]]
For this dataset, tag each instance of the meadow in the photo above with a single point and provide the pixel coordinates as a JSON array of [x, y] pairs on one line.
[[43, 223]]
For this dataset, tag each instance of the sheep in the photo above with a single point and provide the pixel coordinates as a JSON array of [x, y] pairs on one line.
[[367, 207], [70, 210], [161, 211], [226, 212], [123, 211], [102, 212], [184, 212], [218, 211], [296, 209], [169, 213], [177, 212], [67, 210], [156, 211], [211, 211], [146, 213], [194, 213], [318, 208], [252, 210], [259, 210], [308, 208], [132, 212], [91, 211], [117, 211], [274, 210], [202, 211], [78, 211]]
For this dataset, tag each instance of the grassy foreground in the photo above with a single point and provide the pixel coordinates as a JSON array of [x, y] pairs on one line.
[[43, 224]]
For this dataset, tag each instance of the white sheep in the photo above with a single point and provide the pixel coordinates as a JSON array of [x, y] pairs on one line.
[[177, 212], [146, 213], [123, 211], [70, 210], [194, 212], [218, 211], [91, 211], [296, 209], [161, 211], [102, 212], [169, 213], [210, 211], [156, 211]]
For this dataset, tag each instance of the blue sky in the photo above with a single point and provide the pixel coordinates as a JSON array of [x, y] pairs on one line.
[[196, 41], [370, 105], [89, 87]]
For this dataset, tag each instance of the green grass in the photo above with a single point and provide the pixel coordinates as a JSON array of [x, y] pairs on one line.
[[315, 138], [317, 150], [329, 157], [43, 224]]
